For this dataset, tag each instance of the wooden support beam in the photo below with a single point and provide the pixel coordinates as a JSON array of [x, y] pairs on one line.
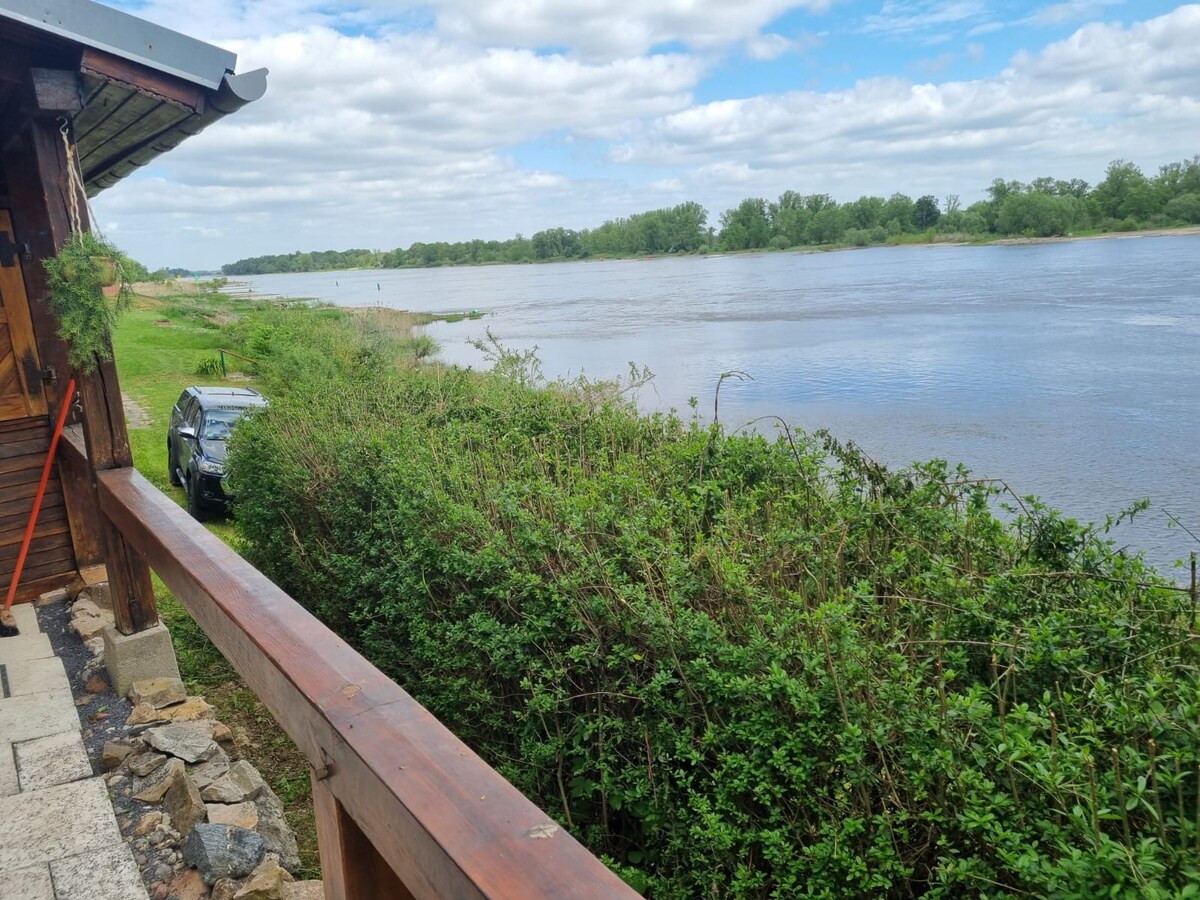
[[37, 177], [56, 92], [351, 867]]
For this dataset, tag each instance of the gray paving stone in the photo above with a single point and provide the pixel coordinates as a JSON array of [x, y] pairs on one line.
[[110, 873], [32, 883], [47, 761], [26, 645], [26, 618], [32, 676], [37, 715], [54, 823], [9, 784]]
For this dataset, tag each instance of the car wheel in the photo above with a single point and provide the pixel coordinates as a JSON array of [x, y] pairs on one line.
[[195, 505], [172, 471]]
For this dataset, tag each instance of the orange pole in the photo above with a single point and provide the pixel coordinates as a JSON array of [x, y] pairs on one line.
[[41, 492]]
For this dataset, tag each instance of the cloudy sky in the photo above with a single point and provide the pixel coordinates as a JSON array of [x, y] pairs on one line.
[[388, 122]]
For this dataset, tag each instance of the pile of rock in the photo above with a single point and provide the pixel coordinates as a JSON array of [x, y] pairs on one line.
[[187, 803], [202, 824]]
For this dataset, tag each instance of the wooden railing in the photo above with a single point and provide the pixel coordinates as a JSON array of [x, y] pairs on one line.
[[404, 808]]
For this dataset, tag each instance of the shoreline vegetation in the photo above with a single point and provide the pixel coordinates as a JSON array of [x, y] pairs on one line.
[[1126, 202], [732, 665]]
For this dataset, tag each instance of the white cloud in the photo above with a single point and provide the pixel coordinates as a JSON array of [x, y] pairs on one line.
[[1107, 91], [1070, 11], [904, 17], [614, 27]]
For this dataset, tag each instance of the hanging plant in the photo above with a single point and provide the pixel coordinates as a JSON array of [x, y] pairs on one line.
[[78, 276]]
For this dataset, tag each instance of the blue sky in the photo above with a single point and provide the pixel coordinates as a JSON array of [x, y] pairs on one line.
[[389, 122]]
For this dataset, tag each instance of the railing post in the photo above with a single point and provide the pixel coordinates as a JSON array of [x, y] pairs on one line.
[[350, 866]]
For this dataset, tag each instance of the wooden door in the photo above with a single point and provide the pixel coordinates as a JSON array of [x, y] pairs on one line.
[[25, 441], [20, 370]]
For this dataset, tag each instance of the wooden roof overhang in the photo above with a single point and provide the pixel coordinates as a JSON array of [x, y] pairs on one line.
[[131, 90]]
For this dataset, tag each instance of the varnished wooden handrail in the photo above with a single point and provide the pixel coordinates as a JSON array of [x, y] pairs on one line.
[[439, 817]]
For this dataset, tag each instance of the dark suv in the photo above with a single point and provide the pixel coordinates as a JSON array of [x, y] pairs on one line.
[[201, 422]]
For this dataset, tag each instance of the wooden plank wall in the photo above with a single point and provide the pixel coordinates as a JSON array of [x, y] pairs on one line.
[[51, 560]]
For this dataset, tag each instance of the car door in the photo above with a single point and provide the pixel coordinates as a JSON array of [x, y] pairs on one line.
[[190, 447]]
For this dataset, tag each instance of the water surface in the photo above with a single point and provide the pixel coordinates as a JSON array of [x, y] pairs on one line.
[[1071, 370]]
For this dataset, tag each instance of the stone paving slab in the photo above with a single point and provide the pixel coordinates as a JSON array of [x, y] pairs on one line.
[[55, 759], [110, 873], [8, 770], [54, 823], [33, 676], [29, 644], [38, 715], [26, 618], [31, 883]]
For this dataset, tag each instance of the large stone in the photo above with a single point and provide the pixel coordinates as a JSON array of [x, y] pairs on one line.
[[242, 782], [211, 769], [158, 692], [35, 676], [304, 890], [26, 645], [110, 873], [188, 885], [143, 764], [265, 882], [32, 883], [114, 753], [29, 716], [58, 595], [181, 741], [9, 783], [88, 627], [223, 851], [275, 831], [244, 815], [31, 825], [226, 889], [84, 607], [132, 657], [193, 709], [50, 760], [183, 803], [154, 788]]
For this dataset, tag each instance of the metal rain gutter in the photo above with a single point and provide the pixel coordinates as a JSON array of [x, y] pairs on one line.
[[125, 35]]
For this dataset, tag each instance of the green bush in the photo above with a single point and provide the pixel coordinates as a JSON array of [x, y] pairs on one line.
[[737, 666]]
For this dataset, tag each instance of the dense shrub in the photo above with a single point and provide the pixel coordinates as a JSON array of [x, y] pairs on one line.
[[738, 666]]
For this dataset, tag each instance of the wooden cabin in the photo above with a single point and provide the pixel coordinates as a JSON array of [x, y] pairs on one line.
[[404, 809]]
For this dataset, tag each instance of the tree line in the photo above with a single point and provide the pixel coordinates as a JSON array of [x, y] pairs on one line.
[[1127, 199]]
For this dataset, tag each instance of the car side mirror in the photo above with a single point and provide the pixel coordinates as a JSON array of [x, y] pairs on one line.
[[187, 432]]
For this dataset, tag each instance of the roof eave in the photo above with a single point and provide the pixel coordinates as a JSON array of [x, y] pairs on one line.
[[104, 28]]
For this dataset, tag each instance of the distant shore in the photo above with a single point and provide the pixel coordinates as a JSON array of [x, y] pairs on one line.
[[1148, 232], [950, 241]]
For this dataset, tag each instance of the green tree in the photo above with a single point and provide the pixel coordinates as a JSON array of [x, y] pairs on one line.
[[926, 212], [746, 227]]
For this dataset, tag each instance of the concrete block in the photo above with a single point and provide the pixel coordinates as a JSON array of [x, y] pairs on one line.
[[110, 873], [36, 676], [26, 645], [32, 825], [30, 883], [9, 784], [32, 716], [132, 657], [47, 761]]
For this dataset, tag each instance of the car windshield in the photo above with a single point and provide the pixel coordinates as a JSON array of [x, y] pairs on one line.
[[218, 424]]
